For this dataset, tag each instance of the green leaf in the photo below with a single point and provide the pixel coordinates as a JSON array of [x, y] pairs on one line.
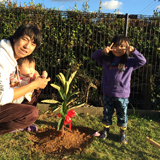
[[66, 88], [76, 106], [71, 77], [68, 96], [63, 79], [55, 86], [61, 92], [64, 110], [50, 101], [74, 93], [60, 123]]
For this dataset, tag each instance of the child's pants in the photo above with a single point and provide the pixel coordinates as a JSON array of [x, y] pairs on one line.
[[121, 105], [14, 116]]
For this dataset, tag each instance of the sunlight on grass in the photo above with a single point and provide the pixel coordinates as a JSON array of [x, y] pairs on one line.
[[15, 146]]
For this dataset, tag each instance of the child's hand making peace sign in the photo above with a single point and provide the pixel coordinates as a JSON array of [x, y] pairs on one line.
[[129, 48], [108, 49]]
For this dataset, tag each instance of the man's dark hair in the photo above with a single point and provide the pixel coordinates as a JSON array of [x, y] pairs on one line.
[[29, 30]]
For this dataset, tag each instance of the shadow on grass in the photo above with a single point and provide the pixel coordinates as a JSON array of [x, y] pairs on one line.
[[156, 118], [127, 148], [113, 137]]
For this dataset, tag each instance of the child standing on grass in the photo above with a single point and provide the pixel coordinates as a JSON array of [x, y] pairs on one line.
[[117, 68]]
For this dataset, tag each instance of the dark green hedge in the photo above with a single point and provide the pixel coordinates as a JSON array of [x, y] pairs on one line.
[[70, 38]]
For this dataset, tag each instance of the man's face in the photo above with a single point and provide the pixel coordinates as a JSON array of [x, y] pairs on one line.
[[23, 47]]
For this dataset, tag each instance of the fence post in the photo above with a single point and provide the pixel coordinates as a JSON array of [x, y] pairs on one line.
[[126, 24]]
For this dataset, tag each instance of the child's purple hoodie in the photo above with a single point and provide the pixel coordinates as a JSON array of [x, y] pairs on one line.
[[115, 83]]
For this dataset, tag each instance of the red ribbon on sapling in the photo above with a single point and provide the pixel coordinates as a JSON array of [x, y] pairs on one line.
[[69, 115]]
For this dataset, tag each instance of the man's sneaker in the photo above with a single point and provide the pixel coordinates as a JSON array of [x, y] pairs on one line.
[[123, 137], [104, 133]]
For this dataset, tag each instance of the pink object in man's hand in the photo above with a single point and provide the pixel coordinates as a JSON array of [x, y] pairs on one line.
[[44, 74]]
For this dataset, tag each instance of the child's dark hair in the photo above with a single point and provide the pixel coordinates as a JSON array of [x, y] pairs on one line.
[[119, 39], [29, 58], [31, 31]]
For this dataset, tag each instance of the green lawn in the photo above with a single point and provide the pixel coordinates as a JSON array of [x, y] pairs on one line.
[[15, 146]]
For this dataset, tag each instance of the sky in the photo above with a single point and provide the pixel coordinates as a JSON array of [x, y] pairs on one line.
[[144, 7]]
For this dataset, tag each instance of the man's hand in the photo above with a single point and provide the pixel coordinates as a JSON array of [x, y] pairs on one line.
[[41, 83]]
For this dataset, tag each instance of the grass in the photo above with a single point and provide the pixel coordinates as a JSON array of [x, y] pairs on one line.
[[15, 146]]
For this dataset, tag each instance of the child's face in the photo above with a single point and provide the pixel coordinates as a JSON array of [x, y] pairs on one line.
[[27, 69], [120, 49]]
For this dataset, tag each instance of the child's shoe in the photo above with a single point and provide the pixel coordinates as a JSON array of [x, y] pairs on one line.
[[104, 133], [123, 137], [31, 128]]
